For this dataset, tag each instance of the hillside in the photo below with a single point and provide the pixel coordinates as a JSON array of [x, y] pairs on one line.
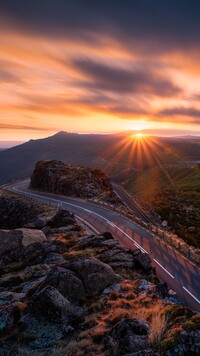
[[174, 192], [64, 292], [112, 153]]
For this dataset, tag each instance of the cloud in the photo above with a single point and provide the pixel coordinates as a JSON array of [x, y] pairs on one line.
[[4, 126], [148, 25], [8, 77], [107, 78], [193, 114]]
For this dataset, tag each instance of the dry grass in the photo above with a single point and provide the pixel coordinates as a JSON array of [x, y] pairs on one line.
[[74, 254]]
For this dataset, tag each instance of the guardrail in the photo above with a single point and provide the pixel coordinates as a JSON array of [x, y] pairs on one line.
[[169, 238]]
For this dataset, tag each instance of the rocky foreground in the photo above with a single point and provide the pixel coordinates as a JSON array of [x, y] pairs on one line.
[[64, 292]]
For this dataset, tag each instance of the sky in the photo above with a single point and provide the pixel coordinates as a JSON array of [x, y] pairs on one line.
[[99, 66]]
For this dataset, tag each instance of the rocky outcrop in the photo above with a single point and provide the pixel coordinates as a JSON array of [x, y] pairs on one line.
[[57, 177]]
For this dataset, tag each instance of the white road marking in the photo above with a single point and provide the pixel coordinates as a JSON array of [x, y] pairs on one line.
[[163, 268], [87, 224], [197, 300], [91, 212]]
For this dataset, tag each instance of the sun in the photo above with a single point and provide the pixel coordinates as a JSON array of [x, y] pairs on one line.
[[139, 135]]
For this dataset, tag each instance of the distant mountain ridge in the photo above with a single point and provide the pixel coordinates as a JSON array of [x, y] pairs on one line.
[[107, 152]]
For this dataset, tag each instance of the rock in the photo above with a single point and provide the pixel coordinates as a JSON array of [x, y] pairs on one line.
[[30, 236], [145, 285], [10, 240], [14, 240], [38, 223], [113, 288], [188, 344], [39, 251], [6, 320], [107, 235], [117, 258], [7, 297], [162, 289], [57, 177], [66, 282], [45, 333], [52, 304], [110, 244], [91, 241], [54, 258], [95, 275], [131, 335], [61, 219], [143, 260], [14, 213], [33, 285], [36, 271]]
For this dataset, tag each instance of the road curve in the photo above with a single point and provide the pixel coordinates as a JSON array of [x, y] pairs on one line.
[[180, 274], [126, 198]]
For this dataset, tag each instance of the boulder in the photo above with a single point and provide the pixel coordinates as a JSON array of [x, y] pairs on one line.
[[66, 282], [37, 252], [54, 258], [46, 333], [61, 219], [38, 223], [91, 241], [95, 275], [117, 258], [11, 240], [53, 305], [30, 236], [142, 259], [131, 335], [162, 289], [7, 297]]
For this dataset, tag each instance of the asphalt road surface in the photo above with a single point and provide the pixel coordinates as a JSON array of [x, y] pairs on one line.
[[128, 201], [181, 275]]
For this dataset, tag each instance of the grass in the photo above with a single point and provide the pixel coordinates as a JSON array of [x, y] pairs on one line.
[[174, 193]]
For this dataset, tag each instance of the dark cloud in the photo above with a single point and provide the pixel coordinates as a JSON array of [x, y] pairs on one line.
[[104, 77], [190, 112], [147, 24], [8, 77]]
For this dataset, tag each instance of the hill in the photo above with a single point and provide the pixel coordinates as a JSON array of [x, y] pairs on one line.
[[112, 153], [174, 192]]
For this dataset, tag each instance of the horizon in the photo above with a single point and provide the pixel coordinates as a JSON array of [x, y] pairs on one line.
[[4, 144], [102, 67]]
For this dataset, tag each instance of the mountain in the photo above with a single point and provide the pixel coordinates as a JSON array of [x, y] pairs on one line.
[[113, 153]]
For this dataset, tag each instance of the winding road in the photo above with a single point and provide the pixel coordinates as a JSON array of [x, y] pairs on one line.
[[181, 275]]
